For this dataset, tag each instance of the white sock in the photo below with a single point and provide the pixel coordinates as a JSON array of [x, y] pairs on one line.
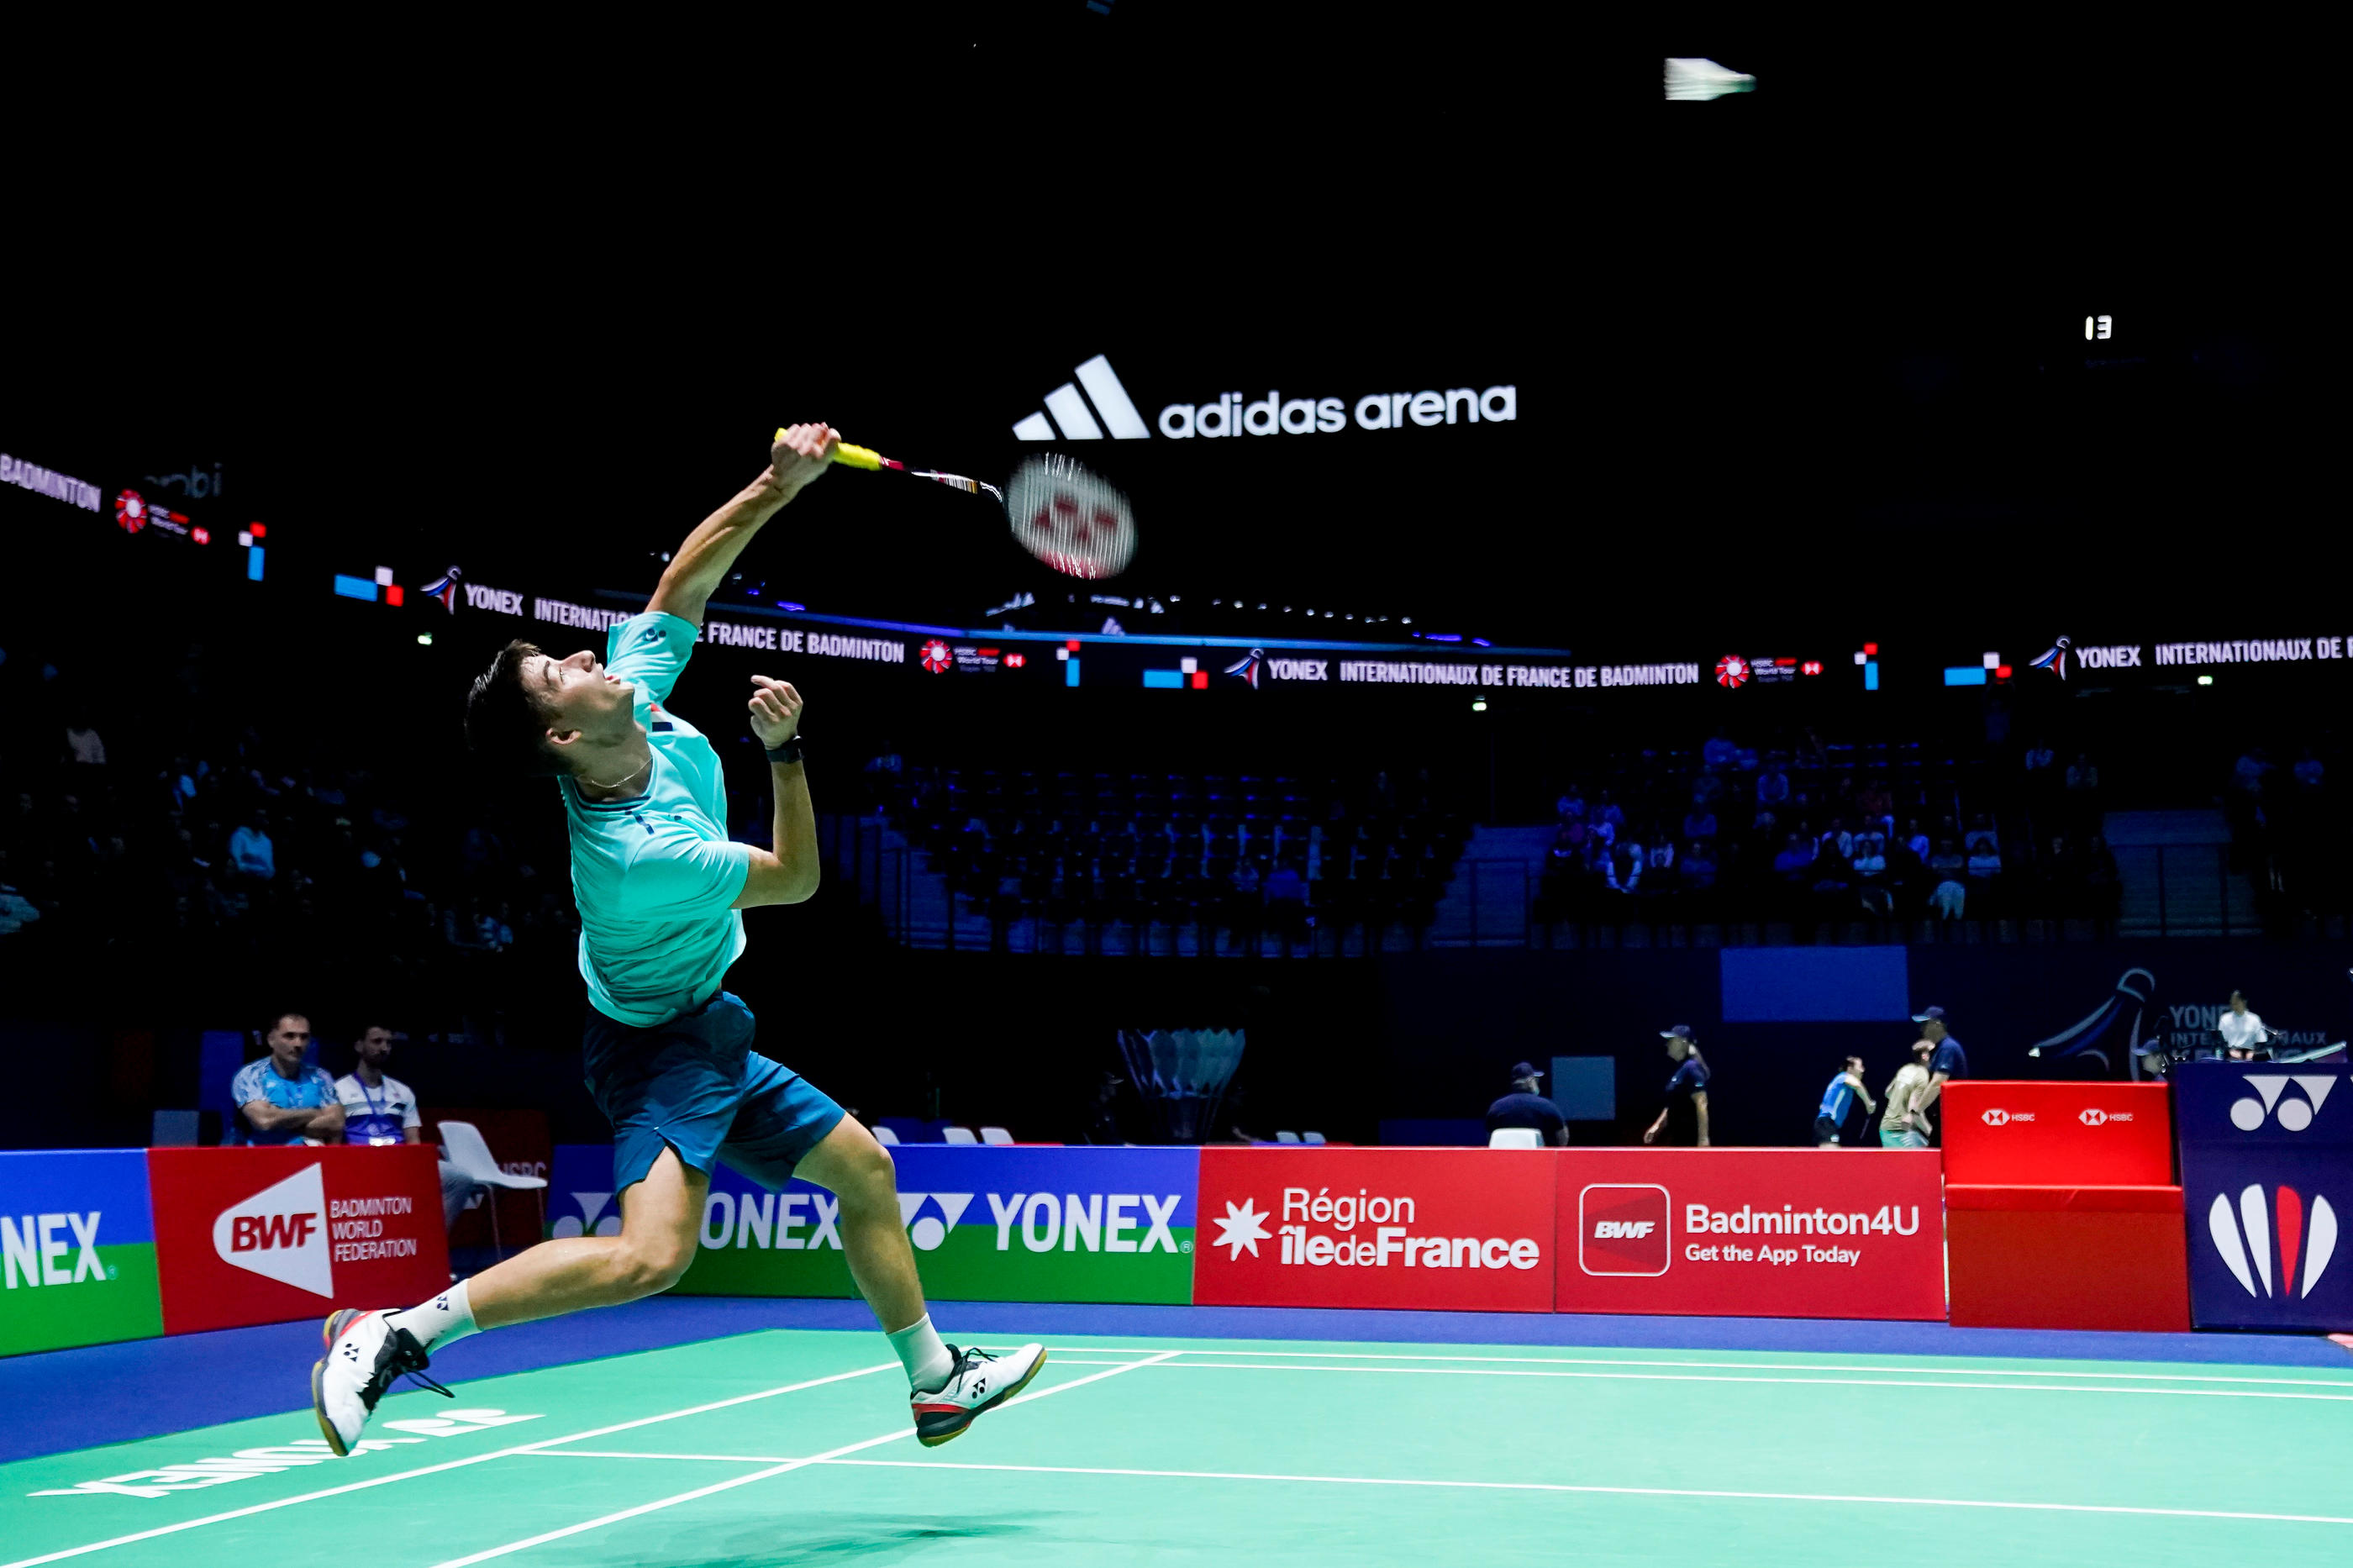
[[444, 1319], [926, 1360]]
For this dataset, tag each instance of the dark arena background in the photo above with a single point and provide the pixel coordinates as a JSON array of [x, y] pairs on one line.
[[1846, 540]]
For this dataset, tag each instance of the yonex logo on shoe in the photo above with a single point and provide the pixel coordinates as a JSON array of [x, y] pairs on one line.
[[280, 1233], [2293, 1112], [2245, 1238]]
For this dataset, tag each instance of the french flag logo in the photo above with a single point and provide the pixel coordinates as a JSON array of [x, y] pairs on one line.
[[444, 588], [2244, 1237]]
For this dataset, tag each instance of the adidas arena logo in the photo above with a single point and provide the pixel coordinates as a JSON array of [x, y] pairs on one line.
[[2244, 1239], [1105, 406]]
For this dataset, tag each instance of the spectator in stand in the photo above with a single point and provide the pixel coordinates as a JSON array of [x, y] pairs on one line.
[[1949, 1060], [282, 1098], [1901, 1125], [1699, 868], [1795, 862], [2308, 770], [1984, 861], [2242, 1032], [1949, 860], [1773, 784], [1869, 862], [1916, 841], [1689, 1083], [82, 744], [2254, 764], [1609, 814], [1699, 822], [1286, 904], [1837, 839], [1878, 807], [1838, 1102], [1948, 899], [1525, 1106], [1980, 834], [251, 852], [2083, 780], [2040, 758], [1661, 860]]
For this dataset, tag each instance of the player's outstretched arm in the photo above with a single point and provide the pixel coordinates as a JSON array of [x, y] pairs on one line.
[[703, 563], [788, 875]]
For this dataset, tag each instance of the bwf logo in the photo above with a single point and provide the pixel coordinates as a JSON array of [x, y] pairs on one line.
[[2293, 1112], [1622, 1229], [2245, 1239], [280, 1233]]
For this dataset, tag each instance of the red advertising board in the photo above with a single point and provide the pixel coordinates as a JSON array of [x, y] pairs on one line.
[[2028, 1134], [262, 1236], [1462, 1229], [2069, 1257], [1759, 1233], [519, 1142]]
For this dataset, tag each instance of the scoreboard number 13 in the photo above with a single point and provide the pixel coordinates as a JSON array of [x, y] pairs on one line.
[[2098, 326]]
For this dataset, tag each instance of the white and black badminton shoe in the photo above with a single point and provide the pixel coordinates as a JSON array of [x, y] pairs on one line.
[[980, 1383], [366, 1355]]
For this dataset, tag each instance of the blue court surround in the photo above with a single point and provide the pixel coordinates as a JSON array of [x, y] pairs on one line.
[[62, 1400]]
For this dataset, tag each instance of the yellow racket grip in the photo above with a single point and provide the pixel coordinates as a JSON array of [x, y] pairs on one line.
[[848, 456]]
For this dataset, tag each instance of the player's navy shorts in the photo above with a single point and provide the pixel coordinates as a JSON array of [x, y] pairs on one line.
[[696, 1085]]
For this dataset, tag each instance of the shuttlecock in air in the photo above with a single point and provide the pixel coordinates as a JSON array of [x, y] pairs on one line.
[[1694, 80]]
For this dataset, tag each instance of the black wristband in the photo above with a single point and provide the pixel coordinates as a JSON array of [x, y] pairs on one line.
[[790, 752]]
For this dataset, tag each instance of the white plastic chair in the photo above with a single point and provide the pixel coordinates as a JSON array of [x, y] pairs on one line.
[[1286, 1137], [471, 1157], [1310, 1137], [997, 1136], [958, 1135], [1515, 1138], [884, 1135]]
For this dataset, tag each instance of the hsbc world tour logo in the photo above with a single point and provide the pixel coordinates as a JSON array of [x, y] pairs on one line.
[[2244, 1237]]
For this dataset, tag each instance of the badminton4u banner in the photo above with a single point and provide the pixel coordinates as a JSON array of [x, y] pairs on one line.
[[987, 1225], [264, 1235], [1775, 1233]]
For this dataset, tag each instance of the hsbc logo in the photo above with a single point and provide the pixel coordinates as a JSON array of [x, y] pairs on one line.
[[280, 1233], [2251, 1234], [2293, 1112], [1998, 1117], [2092, 1116], [1623, 1229]]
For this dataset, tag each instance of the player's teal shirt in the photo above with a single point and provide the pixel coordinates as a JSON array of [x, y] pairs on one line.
[[654, 874]]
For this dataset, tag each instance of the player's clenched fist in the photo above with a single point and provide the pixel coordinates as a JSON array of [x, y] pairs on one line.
[[800, 454], [776, 710]]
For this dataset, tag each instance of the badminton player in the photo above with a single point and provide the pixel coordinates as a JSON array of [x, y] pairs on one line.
[[668, 1052]]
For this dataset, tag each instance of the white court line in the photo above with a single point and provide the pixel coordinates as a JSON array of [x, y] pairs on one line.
[[60, 1556], [2346, 1398], [1618, 1491], [789, 1465], [2344, 1382]]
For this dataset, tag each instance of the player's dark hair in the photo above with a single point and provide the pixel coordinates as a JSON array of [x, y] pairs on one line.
[[504, 718]]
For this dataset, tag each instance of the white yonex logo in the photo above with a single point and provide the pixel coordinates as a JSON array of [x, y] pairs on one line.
[[2244, 1240], [1075, 420], [592, 1219], [37, 1251], [2293, 1114], [927, 1230], [280, 1233]]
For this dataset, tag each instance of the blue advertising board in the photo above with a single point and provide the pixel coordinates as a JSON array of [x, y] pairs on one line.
[[2267, 1181], [76, 1249]]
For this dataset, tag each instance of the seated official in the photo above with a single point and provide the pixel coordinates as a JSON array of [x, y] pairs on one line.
[[1525, 1106], [283, 1100], [380, 1108]]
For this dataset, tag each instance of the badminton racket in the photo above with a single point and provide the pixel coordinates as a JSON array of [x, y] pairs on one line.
[[1059, 512]]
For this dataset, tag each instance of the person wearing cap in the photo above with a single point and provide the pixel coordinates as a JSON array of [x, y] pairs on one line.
[[1900, 1125], [1525, 1106], [1948, 1062], [1690, 1078]]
